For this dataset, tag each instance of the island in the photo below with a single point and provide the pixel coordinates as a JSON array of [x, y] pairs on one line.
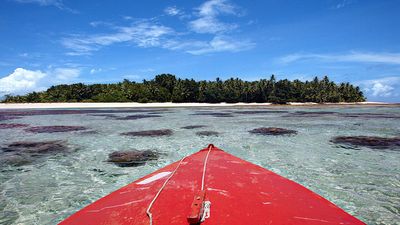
[[169, 88]]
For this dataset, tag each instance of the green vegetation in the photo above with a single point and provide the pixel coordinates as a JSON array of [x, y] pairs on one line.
[[167, 88]]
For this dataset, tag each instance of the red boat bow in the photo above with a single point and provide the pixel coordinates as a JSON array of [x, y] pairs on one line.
[[236, 192]]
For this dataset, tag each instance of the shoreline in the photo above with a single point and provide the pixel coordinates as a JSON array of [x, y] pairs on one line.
[[65, 105]]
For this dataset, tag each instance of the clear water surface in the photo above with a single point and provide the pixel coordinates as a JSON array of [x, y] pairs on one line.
[[363, 181]]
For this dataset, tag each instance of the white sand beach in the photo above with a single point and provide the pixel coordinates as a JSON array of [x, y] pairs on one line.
[[168, 105]]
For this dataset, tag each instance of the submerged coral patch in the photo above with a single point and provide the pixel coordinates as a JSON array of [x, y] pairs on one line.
[[39, 112], [193, 127], [344, 115], [310, 114], [41, 147], [370, 115], [207, 133], [149, 133], [108, 116], [368, 141], [12, 125], [54, 129], [260, 111], [26, 152], [138, 116], [8, 117], [272, 131], [215, 114], [132, 157]]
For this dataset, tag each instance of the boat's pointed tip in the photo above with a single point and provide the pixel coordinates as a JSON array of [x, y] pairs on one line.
[[210, 147]]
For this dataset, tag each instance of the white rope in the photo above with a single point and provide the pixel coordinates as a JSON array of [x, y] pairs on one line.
[[149, 214], [205, 167]]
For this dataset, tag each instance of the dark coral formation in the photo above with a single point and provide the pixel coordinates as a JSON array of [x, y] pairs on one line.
[[370, 115], [138, 116], [8, 117], [89, 132], [26, 152], [260, 111], [149, 133], [132, 158], [54, 129], [368, 141], [41, 147], [345, 115], [207, 133], [310, 114], [108, 116], [193, 127], [272, 131], [156, 112], [12, 125], [16, 114], [215, 114]]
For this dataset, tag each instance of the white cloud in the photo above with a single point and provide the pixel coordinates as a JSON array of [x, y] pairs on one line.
[[128, 18], [56, 3], [148, 33], [219, 43], [152, 35], [25, 54], [208, 21], [99, 23], [383, 87], [142, 34], [65, 74], [94, 70], [387, 58], [22, 81], [172, 11], [343, 4], [210, 25], [216, 7], [222, 44]]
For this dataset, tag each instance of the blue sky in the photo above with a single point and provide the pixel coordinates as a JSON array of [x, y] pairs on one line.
[[47, 42]]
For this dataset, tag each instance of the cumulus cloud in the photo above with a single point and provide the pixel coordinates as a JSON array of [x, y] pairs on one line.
[[383, 87], [208, 12], [361, 57], [22, 81]]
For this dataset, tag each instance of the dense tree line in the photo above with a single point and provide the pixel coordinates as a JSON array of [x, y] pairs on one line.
[[167, 88]]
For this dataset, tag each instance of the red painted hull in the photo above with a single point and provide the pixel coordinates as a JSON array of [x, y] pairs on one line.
[[240, 193]]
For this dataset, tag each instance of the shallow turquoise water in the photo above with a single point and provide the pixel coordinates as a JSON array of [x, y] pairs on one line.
[[365, 182]]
